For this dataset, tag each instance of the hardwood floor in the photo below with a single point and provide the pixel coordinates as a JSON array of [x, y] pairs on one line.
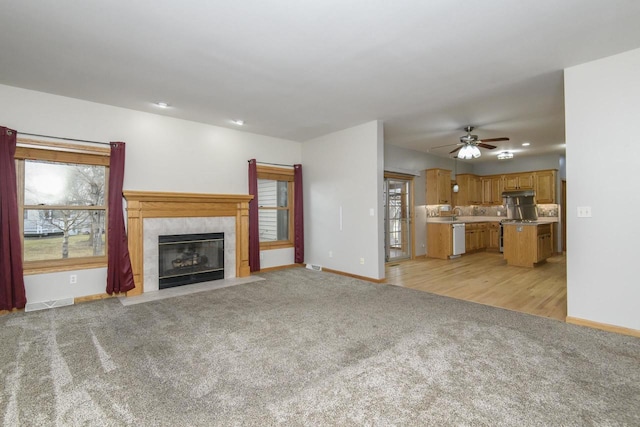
[[485, 278]]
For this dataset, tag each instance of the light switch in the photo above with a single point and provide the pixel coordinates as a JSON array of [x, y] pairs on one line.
[[584, 211], [372, 212]]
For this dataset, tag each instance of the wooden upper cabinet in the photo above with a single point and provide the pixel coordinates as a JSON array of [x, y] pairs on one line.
[[519, 181], [470, 189], [438, 186], [497, 187], [476, 190], [492, 188], [545, 186], [487, 190]]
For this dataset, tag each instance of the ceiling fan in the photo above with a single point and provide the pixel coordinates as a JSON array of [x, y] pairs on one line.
[[468, 145]]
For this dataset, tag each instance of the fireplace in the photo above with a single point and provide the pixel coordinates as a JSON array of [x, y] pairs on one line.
[[184, 259], [152, 214]]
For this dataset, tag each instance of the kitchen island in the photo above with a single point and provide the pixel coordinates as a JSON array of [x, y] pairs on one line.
[[527, 243]]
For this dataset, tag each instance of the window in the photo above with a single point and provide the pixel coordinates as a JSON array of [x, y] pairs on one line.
[[62, 193], [275, 210]]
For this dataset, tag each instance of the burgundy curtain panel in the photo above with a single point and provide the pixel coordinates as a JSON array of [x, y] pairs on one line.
[[119, 272], [12, 293], [298, 215], [254, 236]]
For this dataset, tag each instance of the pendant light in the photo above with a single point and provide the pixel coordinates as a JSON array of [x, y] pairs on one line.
[[455, 188]]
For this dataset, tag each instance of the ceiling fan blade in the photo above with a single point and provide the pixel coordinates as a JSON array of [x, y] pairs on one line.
[[490, 147], [457, 149], [442, 146], [494, 139]]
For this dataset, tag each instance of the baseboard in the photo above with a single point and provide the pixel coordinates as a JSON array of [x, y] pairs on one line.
[[280, 267], [96, 297], [603, 326], [355, 276]]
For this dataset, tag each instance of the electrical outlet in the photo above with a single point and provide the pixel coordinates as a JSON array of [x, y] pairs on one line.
[[73, 279], [261, 256], [361, 260], [330, 254], [584, 211]]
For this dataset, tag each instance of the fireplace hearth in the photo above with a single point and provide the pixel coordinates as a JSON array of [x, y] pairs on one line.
[[190, 258]]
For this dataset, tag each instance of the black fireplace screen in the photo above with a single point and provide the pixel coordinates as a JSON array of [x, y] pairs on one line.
[[190, 258]]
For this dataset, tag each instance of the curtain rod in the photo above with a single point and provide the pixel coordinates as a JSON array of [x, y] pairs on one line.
[[272, 164], [66, 139]]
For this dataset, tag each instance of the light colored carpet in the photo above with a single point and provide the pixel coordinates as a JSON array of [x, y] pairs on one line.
[[311, 348]]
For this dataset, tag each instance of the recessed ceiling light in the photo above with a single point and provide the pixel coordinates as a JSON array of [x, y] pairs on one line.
[[238, 122], [526, 144], [161, 104]]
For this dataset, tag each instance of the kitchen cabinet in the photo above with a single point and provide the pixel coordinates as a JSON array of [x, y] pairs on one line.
[[487, 190], [545, 242], [525, 245], [519, 181], [494, 236], [475, 236], [545, 186], [492, 188], [438, 186], [470, 189], [439, 240]]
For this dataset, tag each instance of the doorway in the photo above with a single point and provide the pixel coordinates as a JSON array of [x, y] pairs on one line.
[[399, 229]]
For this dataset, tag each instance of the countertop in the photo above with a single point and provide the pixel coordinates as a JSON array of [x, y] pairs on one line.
[[472, 219]]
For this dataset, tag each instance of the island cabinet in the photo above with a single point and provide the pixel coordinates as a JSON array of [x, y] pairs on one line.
[[438, 186], [439, 240], [525, 245]]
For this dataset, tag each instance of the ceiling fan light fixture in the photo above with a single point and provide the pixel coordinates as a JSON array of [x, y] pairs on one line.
[[505, 155], [475, 152], [465, 153]]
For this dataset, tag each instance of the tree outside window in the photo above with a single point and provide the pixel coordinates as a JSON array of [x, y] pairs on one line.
[[64, 209]]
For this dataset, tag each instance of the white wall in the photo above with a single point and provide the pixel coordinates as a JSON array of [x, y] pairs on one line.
[[344, 170], [602, 111], [163, 154]]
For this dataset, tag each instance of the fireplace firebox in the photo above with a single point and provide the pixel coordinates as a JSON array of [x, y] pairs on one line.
[[190, 258]]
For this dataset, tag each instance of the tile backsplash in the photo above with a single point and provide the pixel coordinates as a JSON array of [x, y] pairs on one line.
[[550, 210]]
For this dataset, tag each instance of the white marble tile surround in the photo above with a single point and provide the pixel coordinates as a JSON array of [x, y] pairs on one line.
[[154, 227]]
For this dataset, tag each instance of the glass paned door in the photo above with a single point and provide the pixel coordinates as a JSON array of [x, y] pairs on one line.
[[397, 219]]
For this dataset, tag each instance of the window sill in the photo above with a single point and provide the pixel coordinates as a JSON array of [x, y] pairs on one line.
[[267, 246], [32, 270]]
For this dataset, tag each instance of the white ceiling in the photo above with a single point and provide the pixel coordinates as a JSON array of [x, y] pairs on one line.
[[302, 69]]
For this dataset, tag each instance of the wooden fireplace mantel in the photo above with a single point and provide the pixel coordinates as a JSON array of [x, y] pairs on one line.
[[151, 204]]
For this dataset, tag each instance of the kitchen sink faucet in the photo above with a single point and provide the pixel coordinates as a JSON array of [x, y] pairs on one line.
[[454, 212]]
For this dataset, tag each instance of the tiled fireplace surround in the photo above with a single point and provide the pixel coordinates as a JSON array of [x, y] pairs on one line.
[[154, 227], [150, 214]]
